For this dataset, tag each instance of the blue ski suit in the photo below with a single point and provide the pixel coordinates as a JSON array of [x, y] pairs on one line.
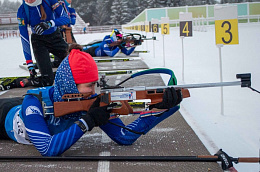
[[50, 41], [53, 10], [103, 48], [72, 15], [31, 123]]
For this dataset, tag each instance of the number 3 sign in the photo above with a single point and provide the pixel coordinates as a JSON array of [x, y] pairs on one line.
[[226, 24]]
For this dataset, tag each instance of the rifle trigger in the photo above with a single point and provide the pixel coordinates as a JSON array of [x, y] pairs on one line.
[[104, 98]]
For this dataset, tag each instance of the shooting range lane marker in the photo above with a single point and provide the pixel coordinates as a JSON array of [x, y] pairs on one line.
[[105, 138], [103, 166], [118, 79], [206, 139], [2, 92], [114, 65]]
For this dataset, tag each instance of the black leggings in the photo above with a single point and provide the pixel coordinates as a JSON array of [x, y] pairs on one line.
[[42, 46], [5, 105], [91, 51]]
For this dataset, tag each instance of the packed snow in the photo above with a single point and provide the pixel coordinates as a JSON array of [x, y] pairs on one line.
[[237, 130]]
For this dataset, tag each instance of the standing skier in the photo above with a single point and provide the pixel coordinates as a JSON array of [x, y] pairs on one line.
[[31, 123], [103, 48], [44, 16]]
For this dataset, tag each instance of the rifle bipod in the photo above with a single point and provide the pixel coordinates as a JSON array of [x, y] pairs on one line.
[[220, 156]]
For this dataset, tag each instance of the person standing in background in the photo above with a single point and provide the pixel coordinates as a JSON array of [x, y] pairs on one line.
[[85, 29], [44, 17]]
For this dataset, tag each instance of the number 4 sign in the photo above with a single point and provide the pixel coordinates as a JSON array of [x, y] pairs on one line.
[[185, 24], [226, 24]]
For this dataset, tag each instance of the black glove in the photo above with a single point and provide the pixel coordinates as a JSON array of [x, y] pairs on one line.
[[226, 162], [40, 28], [122, 45], [171, 98], [32, 71], [96, 115], [137, 42]]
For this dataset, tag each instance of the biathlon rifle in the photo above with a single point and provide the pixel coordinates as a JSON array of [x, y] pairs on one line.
[[134, 39], [76, 102]]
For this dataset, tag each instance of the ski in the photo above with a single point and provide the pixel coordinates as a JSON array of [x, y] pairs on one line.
[[119, 72], [100, 60], [3, 79], [123, 55], [7, 83], [141, 51]]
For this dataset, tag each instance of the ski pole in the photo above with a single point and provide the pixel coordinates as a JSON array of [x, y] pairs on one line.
[[226, 161], [199, 158]]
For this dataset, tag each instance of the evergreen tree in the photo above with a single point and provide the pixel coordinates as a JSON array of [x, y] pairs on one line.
[[86, 9], [101, 16], [138, 5], [9, 7], [151, 3], [119, 12]]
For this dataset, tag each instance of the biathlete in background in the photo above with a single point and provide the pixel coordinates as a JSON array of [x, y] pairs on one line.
[[72, 14], [44, 17], [104, 49], [31, 123]]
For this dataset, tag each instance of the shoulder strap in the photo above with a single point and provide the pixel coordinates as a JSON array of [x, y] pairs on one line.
[[48, 3], [26, 8], [38, 96]]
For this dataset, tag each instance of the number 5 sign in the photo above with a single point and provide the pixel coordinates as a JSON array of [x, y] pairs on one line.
[[226, 24], [165, 26]]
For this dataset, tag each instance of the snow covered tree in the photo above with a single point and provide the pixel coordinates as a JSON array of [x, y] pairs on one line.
[[9, 7], [101, 16], [119, 12]]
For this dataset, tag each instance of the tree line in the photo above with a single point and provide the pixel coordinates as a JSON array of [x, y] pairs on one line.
[[117, 12]]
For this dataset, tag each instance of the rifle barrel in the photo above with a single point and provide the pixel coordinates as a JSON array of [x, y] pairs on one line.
[[141, 88]]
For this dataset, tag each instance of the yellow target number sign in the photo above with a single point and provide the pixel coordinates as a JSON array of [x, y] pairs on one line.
[[147, 28], [165, 28], [226, 31], [155, 28]]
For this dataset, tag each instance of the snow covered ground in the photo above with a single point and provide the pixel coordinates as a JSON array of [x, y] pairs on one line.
[[237, 131]]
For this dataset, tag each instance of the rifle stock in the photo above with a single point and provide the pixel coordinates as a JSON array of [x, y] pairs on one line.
[[67, 107]]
